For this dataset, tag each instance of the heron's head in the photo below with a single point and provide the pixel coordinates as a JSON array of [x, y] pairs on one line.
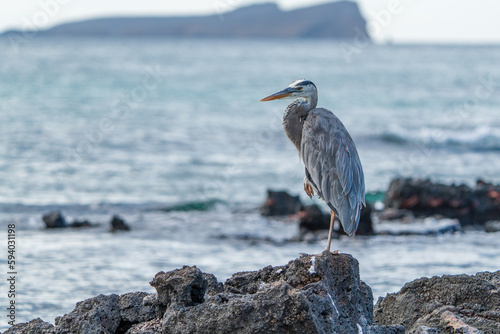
[[300, 89]]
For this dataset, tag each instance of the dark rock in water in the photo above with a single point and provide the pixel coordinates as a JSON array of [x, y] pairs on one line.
[[280, 203], [487, 202], [118, 224], [312, 236], [251, 238], [54, 220], [78, 224], [365, 221], [312, 219], [365, 226], [424, 198], [321, 294], [492, 226], [57, 220], [35, 326], [447, 304], [192, 206]]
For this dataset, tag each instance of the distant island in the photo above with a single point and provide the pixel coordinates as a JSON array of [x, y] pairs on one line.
[[337, 20]]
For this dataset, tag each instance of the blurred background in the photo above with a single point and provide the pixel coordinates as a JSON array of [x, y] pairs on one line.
[[150, 111]]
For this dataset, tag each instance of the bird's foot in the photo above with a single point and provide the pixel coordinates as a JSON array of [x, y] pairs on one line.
[[308, 189]]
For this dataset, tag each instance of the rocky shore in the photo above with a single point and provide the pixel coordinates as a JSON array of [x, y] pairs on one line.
[[447, 304], [311, 294]]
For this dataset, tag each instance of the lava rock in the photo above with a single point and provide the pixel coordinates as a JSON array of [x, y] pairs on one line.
[[365, 226], [321, 294], [487, 202], [135, 308], [312, 219], [35, 326], [311, 294], [280, 203], [425, 198], [108, 314], [79, 224], [180, 288], [214, 287], [365, 221], [118, 224], [149, 327], [95, 315], [54, 220], [447, 304]]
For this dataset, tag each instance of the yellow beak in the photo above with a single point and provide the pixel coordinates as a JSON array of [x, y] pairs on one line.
[[279, 95]]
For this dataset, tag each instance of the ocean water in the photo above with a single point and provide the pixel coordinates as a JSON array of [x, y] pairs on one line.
[[96, 127]]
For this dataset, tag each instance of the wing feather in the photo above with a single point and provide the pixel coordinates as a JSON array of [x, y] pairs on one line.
[[333, 166]]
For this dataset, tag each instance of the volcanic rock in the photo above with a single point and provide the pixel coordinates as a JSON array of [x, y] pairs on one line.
[[311, 294], [447, 304], [365, 226], [108, 314], [312, 219], [321, 294], [425, 198], [280, 203], [54, 220], [35, 326], [81, 223], [118, 224]]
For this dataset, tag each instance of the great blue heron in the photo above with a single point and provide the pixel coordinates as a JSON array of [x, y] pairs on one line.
[[333, 169]]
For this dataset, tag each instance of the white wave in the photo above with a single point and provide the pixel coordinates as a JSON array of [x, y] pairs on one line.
[[481, 137]]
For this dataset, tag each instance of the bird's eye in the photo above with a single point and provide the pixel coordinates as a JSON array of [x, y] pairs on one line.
[[299, 88]]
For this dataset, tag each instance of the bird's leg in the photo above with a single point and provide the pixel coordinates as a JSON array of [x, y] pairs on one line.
[[332, 220]]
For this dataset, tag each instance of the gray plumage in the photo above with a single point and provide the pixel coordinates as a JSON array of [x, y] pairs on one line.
[[333, 167]]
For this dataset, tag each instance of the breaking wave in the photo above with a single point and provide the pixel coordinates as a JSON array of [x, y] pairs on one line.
[[479, 138]]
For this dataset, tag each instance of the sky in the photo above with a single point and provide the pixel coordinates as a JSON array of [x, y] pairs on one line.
[[398, 21]]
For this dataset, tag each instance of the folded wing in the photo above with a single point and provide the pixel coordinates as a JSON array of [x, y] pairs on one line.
[[333, 166]]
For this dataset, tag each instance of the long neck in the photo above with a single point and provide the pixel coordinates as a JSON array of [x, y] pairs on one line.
[[293, 120]]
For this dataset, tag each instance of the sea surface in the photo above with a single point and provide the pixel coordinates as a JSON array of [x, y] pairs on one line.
[[97, 127]]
